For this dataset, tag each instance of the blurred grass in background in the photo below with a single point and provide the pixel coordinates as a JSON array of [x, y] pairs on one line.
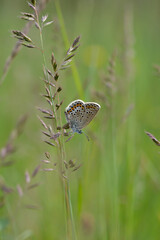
[[115, 194]]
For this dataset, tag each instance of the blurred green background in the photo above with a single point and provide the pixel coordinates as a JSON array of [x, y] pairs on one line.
[[115, 194]]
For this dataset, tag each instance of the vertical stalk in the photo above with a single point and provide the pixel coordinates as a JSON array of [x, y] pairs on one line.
[[113, 164], [115, 229], [71, 223], [129, 72], [71, 233]]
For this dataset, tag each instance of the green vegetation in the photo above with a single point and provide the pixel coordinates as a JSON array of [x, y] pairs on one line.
[[112, 191]]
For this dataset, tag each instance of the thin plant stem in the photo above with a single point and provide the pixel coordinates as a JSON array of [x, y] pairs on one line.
[[69, 210], [65, 182], [115, 229], [115, 172], [44, 60], [11, 215], [131, 126]]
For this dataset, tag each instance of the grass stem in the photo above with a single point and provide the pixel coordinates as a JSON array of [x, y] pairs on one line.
[[70, 221]]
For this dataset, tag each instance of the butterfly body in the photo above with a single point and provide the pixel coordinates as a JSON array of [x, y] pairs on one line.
[[79, 114]]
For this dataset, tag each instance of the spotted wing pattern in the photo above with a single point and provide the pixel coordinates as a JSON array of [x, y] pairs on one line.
[[79, 114], [75, 113], [91, 109]]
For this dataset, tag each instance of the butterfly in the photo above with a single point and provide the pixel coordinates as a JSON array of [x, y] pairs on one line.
[[79, 114]]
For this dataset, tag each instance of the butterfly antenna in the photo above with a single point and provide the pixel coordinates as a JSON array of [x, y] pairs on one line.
[[86, 136]]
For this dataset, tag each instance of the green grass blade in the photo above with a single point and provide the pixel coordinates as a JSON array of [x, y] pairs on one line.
[[75, 73]]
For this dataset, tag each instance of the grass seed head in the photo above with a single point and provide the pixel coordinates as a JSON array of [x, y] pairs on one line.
[[46, 134], [33, 2], [76, 41], [153, 138], [59, 89], [66, 126], [21, 36], [44, 18], [27, 16], [36, 170], [27, 177], [53, 62], [43, 123], [71, 163], [49, 143], [20, 191], [47, 154], [56, 76]]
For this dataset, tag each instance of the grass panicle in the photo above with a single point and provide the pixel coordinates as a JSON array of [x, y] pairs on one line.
[[54, 129], [153, 138], [41, 5], [9, 148]]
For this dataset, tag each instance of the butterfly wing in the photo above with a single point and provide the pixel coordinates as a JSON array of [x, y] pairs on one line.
[[75, 115], [91, 109]]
